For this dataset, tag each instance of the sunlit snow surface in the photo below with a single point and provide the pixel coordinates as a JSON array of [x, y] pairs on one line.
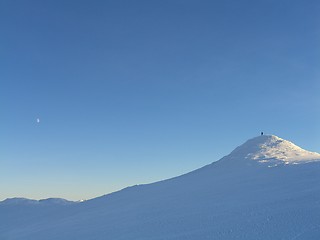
[[273, 150], [268, 188]]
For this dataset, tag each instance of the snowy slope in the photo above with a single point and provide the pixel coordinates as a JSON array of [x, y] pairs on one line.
[[268, 188]]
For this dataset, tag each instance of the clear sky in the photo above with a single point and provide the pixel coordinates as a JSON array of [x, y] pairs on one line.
[[131, 92]]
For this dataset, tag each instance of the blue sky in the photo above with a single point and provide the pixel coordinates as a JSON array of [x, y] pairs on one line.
[[132, 92]]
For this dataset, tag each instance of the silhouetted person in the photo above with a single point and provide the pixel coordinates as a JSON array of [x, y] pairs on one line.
[[261, 133]]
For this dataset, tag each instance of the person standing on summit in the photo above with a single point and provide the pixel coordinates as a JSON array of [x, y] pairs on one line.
[[261, 133]]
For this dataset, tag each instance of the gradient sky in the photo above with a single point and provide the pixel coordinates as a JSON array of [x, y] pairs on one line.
[[131, 92]]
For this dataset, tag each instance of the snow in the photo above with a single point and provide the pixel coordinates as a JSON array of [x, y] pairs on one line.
[[272, 150], [238, 197]]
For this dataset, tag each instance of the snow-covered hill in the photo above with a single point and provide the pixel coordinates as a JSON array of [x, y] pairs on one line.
[[267, 188]]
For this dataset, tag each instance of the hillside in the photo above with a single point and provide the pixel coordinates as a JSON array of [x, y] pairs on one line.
[[267, 188]]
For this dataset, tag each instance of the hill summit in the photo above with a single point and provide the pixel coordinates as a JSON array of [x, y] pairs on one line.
[[271, 150]]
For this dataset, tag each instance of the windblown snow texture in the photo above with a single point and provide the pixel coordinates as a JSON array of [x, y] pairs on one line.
[[267, 188]]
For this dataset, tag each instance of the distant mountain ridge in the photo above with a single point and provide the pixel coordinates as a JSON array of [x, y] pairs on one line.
[[15, 201], [267, 188]]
